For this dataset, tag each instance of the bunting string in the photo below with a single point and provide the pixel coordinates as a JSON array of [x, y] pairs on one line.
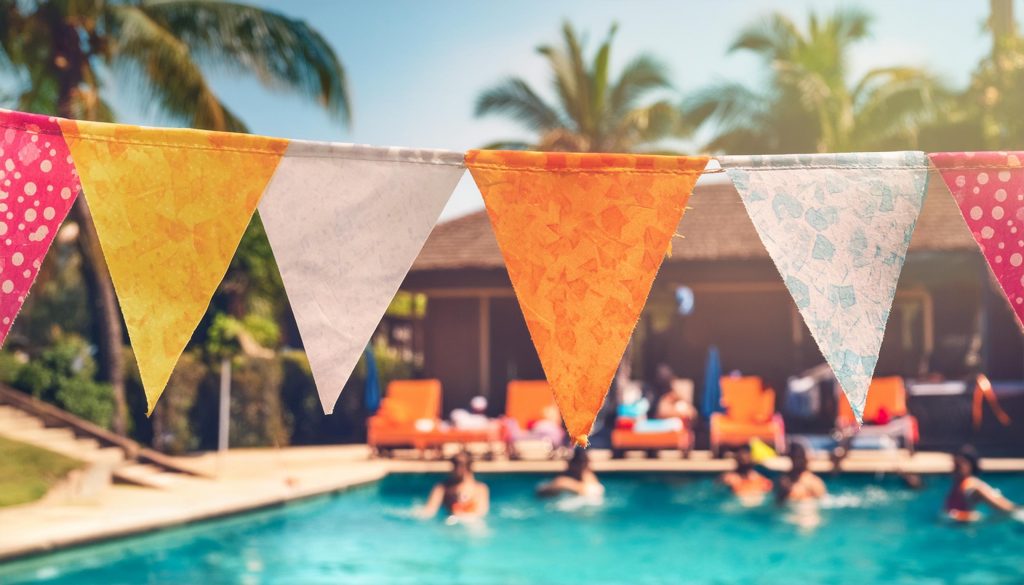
[[582, 235]]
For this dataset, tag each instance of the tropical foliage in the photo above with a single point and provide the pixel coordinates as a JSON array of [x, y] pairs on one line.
[[594, 112], [808, 103], [62, 56]]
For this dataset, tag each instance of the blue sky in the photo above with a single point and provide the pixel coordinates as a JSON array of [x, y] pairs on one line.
[[415, 67]]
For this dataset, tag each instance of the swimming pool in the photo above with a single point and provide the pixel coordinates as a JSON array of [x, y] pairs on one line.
[[652, 529]]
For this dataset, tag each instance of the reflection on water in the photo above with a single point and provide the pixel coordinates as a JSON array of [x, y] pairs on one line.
[[649, 529]]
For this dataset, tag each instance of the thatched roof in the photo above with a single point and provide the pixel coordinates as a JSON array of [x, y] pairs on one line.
[[715, 227]]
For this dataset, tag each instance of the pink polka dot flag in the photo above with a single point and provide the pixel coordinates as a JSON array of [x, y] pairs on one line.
[[989, 189], [38, 185]]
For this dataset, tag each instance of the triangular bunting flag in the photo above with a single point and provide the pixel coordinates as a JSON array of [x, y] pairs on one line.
[[583, 236], [38, 185], [989, 189], [345, 223], [837, 228], [170, 207]]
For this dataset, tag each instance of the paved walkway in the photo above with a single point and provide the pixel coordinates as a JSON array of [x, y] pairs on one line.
[[247, 479]]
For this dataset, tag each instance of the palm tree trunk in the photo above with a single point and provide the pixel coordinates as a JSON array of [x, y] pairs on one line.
[[69, 60], [106, 314]]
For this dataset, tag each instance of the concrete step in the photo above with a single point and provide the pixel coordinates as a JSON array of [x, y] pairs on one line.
[[144, 475], [44, 435], [17, 418], [13, 424], [68, 449], [109, 455], [9, 410]]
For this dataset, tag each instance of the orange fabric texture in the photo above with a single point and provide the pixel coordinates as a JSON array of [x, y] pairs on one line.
[[583, 236], [170, 207], [526, 400]]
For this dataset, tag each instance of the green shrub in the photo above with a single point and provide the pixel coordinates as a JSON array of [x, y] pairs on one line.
[[86, 398], [64, 374], [257, 416], [303, 414], [10, 367], [222, 336], [173, 428], [264, 331], [36, 379]]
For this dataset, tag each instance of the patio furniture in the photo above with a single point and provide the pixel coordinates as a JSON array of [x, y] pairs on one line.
[[635, 432], [409, 416], [749, 413], [885, 416], [652, 441], [531, 416], [409, 409]]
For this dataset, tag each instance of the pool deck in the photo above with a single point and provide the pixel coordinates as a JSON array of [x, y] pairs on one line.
[[250, 479]]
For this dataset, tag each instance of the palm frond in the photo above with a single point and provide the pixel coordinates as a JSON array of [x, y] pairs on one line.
[[162, 69], [284, 53], [728, 105], [517, 99], [645, 125], [775, 36], [599, 81], [507, 145], [640, 76], [894, 104]]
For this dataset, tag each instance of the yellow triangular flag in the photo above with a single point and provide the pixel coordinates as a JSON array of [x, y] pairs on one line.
[[170, 207]]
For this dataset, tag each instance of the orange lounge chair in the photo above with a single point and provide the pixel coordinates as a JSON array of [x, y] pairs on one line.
[[405, 403], [526, 403], [409, 404], [630, 440], [885, 413], [749, 413]]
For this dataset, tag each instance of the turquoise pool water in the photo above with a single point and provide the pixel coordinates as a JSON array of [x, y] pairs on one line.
[[652, 529]]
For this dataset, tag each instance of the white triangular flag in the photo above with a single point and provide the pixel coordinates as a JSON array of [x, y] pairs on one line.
[[837, 227], [346, 223]]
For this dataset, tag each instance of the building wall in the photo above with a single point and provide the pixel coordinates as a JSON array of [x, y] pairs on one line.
[[451, 349], [939, 325]]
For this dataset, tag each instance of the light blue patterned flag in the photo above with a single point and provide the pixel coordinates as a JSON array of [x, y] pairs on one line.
[[837, 227]]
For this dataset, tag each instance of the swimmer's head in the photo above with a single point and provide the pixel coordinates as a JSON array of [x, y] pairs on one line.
[[579, 463], [798, 455], [744, 459], [462, 466], [965, 462]]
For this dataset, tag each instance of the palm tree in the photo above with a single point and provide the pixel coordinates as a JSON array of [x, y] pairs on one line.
[[592, 113], [809, 105], [64, 53]]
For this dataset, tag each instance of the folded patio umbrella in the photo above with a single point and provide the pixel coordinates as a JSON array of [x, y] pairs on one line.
[[712, 399], [371, 388]]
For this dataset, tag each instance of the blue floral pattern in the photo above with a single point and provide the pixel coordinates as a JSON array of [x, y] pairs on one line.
[[837, 228]]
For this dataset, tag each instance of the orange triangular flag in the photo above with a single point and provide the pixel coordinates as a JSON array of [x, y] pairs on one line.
[[583, 236]]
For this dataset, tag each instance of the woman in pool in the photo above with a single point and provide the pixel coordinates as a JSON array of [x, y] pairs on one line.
[[745, 482], [967, 490], [799, 484], [578, 479], [461, 495], [800, 490]]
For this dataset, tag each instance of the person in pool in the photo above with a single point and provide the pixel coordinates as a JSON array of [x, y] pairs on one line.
[[674, 395], [967, 490], [578, 479], [461, 495], [745, 482], [799, 484]]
